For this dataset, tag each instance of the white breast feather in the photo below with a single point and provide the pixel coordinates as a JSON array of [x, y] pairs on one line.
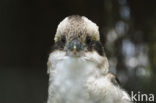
[[78, 80]]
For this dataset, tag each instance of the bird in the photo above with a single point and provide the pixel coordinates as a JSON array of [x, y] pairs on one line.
[[78, 67]]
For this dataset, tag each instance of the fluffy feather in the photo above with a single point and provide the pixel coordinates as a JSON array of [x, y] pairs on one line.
[[79, 80], [78, 67]]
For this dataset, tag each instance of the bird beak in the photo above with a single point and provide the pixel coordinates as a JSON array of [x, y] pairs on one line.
[[74, 46], [74, 49]]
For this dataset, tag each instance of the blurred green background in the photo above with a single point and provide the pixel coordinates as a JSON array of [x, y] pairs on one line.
[[27, 29]]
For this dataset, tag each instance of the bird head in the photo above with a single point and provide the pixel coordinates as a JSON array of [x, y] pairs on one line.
[[77, 35], [77, 39]]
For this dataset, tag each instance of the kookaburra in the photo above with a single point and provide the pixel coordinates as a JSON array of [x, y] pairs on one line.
[[78, 67]]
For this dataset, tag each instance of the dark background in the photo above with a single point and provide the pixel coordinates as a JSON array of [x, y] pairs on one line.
[[27, 29]]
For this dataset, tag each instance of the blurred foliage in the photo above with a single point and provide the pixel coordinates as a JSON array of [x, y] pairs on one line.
[[130, 42]]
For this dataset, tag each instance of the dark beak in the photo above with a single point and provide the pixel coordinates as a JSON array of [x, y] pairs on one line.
[[75, 46]]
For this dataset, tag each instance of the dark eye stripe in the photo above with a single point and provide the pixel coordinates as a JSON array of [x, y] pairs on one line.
[[88, 39], [63, 38], [58, 46], [96, 45]]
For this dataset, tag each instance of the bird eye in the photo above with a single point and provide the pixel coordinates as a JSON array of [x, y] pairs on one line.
[[88, 39], [63, 39]]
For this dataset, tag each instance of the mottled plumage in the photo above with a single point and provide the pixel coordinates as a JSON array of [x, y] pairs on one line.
[[78, 67]]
